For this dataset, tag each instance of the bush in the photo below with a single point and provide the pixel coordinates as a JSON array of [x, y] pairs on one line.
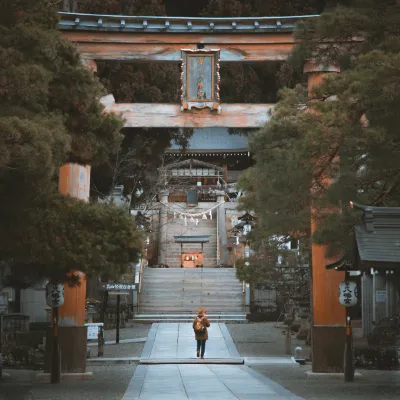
[[18, 356]]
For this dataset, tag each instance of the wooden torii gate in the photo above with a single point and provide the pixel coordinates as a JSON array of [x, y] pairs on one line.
[[161, 39], [165, 39]]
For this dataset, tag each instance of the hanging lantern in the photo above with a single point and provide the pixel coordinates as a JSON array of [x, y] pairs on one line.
[[246, 229], [185, 219], [197, 221], [348, 293], [54, 294], [210, 214]]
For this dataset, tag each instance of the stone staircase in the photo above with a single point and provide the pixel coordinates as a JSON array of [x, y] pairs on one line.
[[174, 294], [205, 227]]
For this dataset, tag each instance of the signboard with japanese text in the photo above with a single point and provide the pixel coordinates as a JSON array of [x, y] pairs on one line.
[[115, 287], [200, 79], [380, 296], [93, 330]]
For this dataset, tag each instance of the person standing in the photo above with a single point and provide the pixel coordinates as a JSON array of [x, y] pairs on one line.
[[200, 325]]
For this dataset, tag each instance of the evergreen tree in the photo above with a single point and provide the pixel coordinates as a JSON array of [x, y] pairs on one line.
[[50, 114], [310, 140], [137, 83], [258, 82]]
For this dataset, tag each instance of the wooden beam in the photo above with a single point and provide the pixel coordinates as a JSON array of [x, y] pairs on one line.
[[139, 115], [167, 47], [178, 38]]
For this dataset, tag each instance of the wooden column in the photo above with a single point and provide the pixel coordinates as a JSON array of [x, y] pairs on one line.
[[74, 181], [89, 64], [328, 333]]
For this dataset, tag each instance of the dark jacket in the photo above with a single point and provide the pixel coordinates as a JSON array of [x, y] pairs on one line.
[[203, 335]]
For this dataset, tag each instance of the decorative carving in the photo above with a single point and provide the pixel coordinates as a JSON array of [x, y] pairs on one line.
[[200, 79]]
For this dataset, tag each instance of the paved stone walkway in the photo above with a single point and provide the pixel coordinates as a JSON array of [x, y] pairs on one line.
[[178, 381]]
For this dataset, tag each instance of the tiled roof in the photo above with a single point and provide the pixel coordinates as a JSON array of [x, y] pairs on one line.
[[126, 23], [378, 234], [192, 239]]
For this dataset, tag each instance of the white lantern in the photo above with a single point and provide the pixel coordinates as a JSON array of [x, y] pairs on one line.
[[246, 229], [348, 293], [54, 294]]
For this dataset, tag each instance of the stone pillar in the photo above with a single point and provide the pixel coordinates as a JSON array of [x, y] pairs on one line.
[[222, 228], [366, 303], [328, 332], [162, 242]]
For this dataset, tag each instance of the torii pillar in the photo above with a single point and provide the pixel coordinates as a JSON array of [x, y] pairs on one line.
[[328, 324], [74, 181]]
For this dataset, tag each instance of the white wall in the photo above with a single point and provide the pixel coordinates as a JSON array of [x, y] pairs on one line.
[[33, 303]]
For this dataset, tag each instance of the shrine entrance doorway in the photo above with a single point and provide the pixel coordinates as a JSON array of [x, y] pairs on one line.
[[192, 250], [192, 259]]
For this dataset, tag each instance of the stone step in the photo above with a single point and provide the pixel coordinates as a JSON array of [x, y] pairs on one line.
[[179, 317], [206, 270], [172, 309], [191, 286], [181, 290]]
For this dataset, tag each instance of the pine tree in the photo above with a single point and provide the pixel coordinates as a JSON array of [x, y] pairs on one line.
[[137, 83], [310, 139], [50, 114]]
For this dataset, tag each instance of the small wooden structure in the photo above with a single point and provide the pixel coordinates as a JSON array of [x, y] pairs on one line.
[[192, 258], [377, 240]]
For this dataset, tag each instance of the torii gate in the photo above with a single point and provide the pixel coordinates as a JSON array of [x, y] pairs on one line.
[[170, 39], [161, 39]]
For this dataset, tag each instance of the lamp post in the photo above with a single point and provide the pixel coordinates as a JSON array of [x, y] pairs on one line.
[[55, 299], [348, 298]]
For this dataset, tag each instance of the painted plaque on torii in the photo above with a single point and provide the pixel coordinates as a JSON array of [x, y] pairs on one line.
[[200, 79]]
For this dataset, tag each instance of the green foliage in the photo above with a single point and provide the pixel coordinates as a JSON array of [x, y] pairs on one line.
[[257, 82], [122, 7], [142, 149], [311, 139], [239, 8], [66, 234], [50, 114]]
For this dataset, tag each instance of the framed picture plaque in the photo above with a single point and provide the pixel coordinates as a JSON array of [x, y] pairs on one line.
[[200, 79]]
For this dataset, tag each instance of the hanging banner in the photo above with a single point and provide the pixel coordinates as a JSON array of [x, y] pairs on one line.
[[200, 79]]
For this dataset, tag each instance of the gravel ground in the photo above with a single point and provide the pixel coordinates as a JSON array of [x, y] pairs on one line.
[[372, 385], [263, 340], [109, 383], [124, 349], [132, 331]]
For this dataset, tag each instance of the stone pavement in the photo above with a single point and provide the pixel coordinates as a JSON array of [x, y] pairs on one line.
[[200, 381]]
